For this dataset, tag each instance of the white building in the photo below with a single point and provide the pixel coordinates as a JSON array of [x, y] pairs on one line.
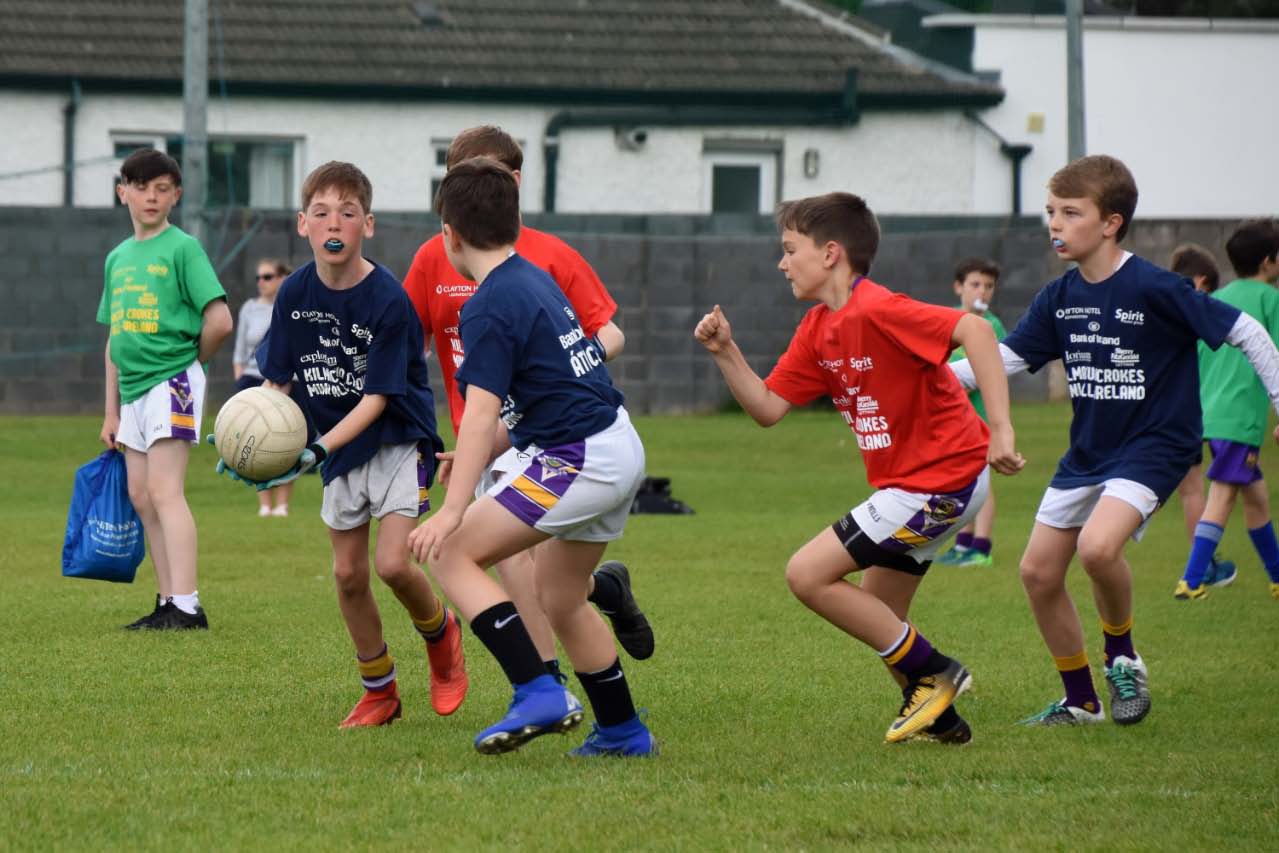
[[1188, 104], [670, 106]]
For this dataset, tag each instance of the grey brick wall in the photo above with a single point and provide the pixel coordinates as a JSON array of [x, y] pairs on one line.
[[664, 272]]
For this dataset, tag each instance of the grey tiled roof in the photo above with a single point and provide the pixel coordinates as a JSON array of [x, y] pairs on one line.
[[644, 50]]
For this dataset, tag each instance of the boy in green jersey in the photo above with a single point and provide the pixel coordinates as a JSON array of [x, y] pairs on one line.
[[1235, 413], [975, 280], [168, 316]]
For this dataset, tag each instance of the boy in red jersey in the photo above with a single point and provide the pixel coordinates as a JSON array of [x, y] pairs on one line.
[[881, 358], [438, 292]]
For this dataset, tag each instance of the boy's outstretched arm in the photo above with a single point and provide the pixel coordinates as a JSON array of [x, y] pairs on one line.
[[1013, 364], [215, 329], [760, 403], [1251, 338], [111, 415], [977, 337]]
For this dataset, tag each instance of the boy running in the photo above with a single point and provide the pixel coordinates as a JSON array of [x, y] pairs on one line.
[[344, 326], [880, 357], [529, 361], [1127, 331], [168, 316]]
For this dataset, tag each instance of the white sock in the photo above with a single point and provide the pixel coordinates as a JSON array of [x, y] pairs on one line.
[[187, 603]]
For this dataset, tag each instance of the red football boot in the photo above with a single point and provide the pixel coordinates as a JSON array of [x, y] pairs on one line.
[[375, 708], [448, 668]]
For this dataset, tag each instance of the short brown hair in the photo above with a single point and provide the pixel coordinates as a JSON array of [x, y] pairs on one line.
[[968, 266], [346, 178], [280, 266], [1105, 180], [840, 217], [1191, 259], [479, 198], [1251, 244], [146, 164], [485, 141]]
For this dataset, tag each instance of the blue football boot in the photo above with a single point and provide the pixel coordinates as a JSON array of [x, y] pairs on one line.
[[629, 739], [537, 708]]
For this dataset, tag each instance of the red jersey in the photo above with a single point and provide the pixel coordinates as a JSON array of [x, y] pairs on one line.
[[882, 360], [438, 292]]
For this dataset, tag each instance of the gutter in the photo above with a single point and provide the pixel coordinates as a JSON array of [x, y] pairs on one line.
[[844, 112]]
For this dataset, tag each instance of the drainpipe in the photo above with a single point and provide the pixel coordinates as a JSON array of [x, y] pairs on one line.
[[844, 111], [68, 145], [1015, 152]]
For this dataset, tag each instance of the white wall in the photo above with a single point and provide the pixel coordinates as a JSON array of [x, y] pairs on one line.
[[902, 162], [1189, 105]]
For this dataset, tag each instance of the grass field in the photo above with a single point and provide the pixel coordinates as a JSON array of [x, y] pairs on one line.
[[771, 722]]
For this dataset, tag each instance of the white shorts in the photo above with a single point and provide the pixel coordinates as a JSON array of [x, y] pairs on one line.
[[1070, 508], [171, 409], [582, 491], [391, 482], [508, 461], [897, 529]]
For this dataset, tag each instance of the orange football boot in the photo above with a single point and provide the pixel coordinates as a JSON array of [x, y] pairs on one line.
[[448, 668], [375, 708]]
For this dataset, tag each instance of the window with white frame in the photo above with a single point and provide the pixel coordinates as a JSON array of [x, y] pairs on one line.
[[243, 172], [740, 177]]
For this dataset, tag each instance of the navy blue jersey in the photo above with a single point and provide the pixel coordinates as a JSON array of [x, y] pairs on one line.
[[524, 344], [343, 344], [1129, 345]]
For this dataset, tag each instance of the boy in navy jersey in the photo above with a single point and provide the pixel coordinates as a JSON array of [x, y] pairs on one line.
[[529, 363], [346, 328], [1128, 332]]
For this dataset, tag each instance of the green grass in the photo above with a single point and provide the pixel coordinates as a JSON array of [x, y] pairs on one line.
[[771, 721]]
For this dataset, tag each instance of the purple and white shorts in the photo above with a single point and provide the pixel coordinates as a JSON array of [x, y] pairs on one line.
[[171, 409], [581, 491], [1234, 463]]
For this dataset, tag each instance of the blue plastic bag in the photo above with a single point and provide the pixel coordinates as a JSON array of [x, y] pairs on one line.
[[104, 534]]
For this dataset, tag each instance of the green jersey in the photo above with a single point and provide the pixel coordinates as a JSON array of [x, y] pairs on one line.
[[154, 299], [974, 396], [1235, 404]]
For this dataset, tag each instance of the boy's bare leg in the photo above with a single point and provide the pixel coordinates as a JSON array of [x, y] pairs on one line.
[[894, 588], [1101, 552], [355, 599], [1256, 504], [135, 462], [166, 483], [1043, 575], [391, 559], [488, 534], [816, 575], [1220, 502], [518, 578], [984, 524], [563, 582], [1191, 492]]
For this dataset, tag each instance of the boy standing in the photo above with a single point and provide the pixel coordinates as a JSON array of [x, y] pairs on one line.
[[975, 280], [345, 327], [168, 316], [1196, 263], [529, 361], [1235, 413], [880, 357], [1127, 332], [438, 292]]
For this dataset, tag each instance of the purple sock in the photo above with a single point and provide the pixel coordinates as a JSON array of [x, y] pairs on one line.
[[964, 540], [1079, 689], [981, 545], [1119, 644], [914, 656]]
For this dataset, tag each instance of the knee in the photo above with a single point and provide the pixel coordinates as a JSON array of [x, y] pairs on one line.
[[394, 573], [1037, 579], [803, 583], [1097, 555], [140, 497], [557, 604], [351, 578]]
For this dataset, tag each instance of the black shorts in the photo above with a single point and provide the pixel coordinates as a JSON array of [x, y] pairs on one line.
[[867, 552]]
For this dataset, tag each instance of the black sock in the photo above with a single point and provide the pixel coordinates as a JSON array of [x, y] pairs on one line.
[[502, 632], [945, 721], [607, 594], [608, 693], [935, 663], [553, 667]]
